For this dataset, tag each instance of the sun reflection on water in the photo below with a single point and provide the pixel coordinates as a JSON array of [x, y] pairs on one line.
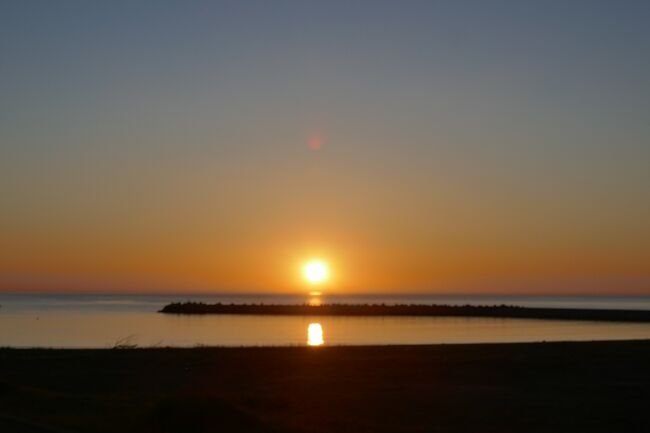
[[315, 335], [314, 299]]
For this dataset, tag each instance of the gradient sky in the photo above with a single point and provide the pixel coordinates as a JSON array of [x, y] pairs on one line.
[[443, 146]]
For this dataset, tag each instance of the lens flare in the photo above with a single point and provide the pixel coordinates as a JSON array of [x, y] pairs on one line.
[[315, 142]]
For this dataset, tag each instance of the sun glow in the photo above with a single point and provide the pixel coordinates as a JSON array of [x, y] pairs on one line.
[[316, 272]]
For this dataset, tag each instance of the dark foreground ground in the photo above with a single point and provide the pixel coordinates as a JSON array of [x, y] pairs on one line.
[[546, 387]]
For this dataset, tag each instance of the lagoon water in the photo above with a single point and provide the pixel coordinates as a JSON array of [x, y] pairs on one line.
[[101, 321]]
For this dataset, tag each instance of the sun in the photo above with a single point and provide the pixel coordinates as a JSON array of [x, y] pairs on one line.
[[316, 271]]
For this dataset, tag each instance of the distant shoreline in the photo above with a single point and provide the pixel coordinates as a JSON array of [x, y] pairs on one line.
[[409, 310]]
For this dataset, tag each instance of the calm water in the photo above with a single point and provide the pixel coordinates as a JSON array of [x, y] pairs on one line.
[[106, 320]]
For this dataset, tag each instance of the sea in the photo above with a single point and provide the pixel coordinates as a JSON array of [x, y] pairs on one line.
[[31, 320]]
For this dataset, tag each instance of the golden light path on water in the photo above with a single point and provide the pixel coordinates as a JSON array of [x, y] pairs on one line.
[[315, 335]]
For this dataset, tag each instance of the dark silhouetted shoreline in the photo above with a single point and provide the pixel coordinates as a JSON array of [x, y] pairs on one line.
[[497, 311], [541, 387]]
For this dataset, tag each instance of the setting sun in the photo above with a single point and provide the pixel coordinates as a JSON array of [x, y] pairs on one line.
[[316, 271]]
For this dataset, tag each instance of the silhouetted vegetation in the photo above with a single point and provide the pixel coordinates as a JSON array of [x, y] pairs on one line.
[[502, 311], [125, 343]]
